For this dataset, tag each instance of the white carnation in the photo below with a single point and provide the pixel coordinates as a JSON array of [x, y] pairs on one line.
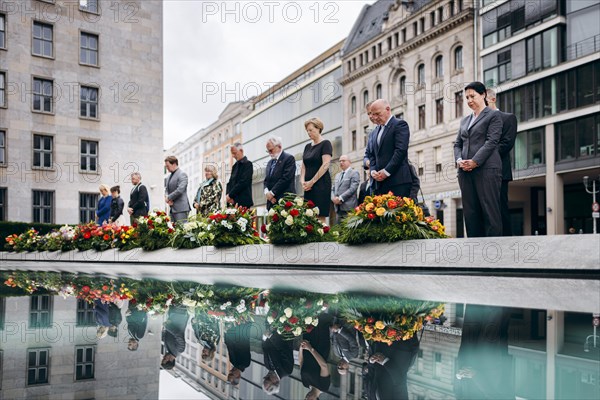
[[270, 319], [284, 213], [308, 320], [321, 231], [316, 210], [271, 212], [315, 322], [309, 213], [159, 220], [298, 331], [289, 221], [299, 201], [288, 312], [282, 319]]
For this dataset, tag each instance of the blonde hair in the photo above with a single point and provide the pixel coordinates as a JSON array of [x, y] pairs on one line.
[[316, 122], [212, 169], [104, 187]]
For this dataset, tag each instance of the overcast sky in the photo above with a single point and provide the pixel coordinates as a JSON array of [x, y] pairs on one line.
[[216, 52]]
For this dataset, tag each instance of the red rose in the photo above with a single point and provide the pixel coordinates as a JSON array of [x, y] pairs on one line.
[[294, 213], [87, 235], [309, 328], [263, 228], [287, 328], [106, 237], [309, 228], [310, 204], [391, 333], [171, 230], [370, 320], [85, 289], [288, 204], [326, 229], [293, 320], [371, 216], [275, 217], [255, 234], [105, 288], [392, 204]]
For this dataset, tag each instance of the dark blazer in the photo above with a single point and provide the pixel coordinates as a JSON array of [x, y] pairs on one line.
[[283, 178], [173, 334], [137, 322], [391, 154], [345, 343], [138, 201], [239, 187], [237, 340], [507, 142], [177, 191], [279, 355], [416, 183], [480, 142], [116, 208]]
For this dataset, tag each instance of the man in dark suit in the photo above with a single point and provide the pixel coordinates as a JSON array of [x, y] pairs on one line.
[[343, 190], [480, 166], [173, 335], [279, 361], [137, 322], [388, 155], [239, 187], [506, 144], [237, 340], [344, 342], [138, 198], [176, 190], [280, 176]]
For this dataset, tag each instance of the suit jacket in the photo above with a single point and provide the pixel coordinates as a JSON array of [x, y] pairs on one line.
[[138, 201], [480, 142], [363, 191], [507, 142], [237, 340], [137, 322], [116, 208], [346, 189], [391, 153], [177, 191], [173, 334], [416, 183], [239, 187], [345, 343], [283, 178], [279, 355]]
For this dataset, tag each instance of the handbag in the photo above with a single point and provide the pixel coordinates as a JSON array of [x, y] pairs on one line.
[[423, 205]]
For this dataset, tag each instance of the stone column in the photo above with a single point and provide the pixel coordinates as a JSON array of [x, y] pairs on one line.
[[555, 219], [555, 332]]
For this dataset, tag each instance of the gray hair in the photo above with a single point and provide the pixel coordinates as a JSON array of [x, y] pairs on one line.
[[238, 146], [275, 141], [491, 94], [137, 174]]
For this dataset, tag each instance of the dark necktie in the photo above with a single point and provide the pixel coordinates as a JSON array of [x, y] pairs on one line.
[[272, 168], [379, 134]]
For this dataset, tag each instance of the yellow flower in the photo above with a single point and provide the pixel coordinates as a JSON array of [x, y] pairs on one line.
[[369, 328], [380, 211], [370, 207], [379, 325]]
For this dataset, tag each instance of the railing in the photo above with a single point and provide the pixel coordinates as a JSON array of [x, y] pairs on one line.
[[583, 48]]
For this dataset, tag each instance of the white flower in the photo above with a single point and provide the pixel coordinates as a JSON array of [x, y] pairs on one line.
[[288, 312], [224, 223], [299, 201], [242, 302], [168, 302], [270, 319], [271, 212], [303, 234], [320, 302], [230, 211], [188, 226], [298, 331], [284, 213], [223, 306], [189, 302], [170, 225], [158, 220], [316, 210], [308, 320], [241, 308], [268, 227], [152, 214], [315, 321], [289, 221], [282, 319], [309, 213], [321, 231], [242, 220]]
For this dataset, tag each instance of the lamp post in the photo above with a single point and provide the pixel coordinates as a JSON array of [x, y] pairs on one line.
[[595, 205]]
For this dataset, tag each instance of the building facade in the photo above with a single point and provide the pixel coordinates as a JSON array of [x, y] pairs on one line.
[[81, 104], [417, 55]]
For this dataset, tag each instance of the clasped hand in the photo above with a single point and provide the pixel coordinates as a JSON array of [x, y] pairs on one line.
[[467, 165]]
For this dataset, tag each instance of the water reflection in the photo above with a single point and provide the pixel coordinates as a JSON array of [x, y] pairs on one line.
[[77, 336]]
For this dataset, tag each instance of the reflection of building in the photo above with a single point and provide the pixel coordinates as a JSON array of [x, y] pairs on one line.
[[80, 105], [49, 349], [417, 55], [310, 91], [543, 59]]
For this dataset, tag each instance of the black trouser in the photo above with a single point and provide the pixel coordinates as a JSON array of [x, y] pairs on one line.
[[481, 201], [506, 227]]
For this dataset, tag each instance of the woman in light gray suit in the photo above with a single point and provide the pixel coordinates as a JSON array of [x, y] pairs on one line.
[[479, 164]]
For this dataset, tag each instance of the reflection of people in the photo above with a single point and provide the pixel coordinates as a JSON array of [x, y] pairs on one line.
[[208, 196], [239, 187], [484, 366], [173, 335], [237, 340], [280, 176], [137, 322], [388, 153], [279, 361], [176, 190], [101, 315], [114, 318], [314, 176], [138, 198], [314, 351], [388, 368], [207, 332], [344, 342], [479, 164]]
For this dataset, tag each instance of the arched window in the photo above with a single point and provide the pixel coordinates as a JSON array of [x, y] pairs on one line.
[[402, 85], [439, 67], [365, 98], [378, 91], [458, 61], [353, 105], [421, 74]]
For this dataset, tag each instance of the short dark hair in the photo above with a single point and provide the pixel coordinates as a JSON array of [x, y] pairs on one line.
[[479, 88], [116, 189], [168, 364], [172, 160]]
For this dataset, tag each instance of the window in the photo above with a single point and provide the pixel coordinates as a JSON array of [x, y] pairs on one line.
[[501, 70], [458, 104], [2, 31], [365, 98], [43, 206], [439, 111], [402, 86], [42, 151], [422, 24], [88, 49], [40, 311], [422, 117], [85, 312], [43, 93], [353, 140], [529, 149], [420, 362], [89, 5], [42, 39], [2, 147], [38, 364], [432, 19], [440, 13], [458, 58], [2, 89], [437, 158], [420, 167], [3, 207], [353, 105], [576, 139], [87, 207], [543, 50], [451, 6], [84, 362], [378, 91], [439, 67], [403, 35], [421, 75], [238, 127], [88, 102], [437, 368]]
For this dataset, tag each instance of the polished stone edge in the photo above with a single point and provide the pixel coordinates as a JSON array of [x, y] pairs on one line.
[[560, 252]]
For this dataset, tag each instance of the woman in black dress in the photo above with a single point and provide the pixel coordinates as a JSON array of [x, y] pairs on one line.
[[314, 350], [314, 176]]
